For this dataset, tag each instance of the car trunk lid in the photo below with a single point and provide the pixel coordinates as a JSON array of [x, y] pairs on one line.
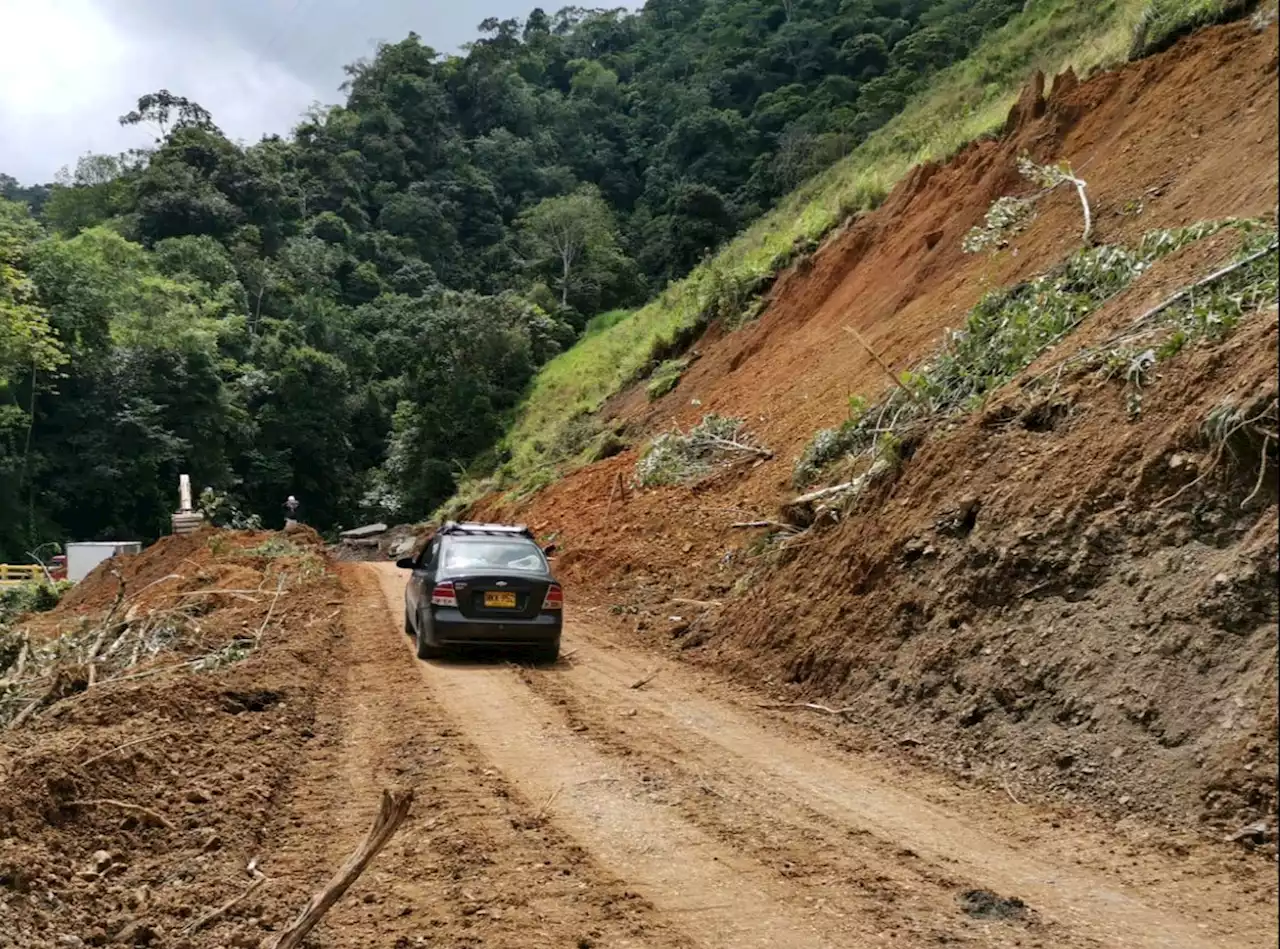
[[497, 595]]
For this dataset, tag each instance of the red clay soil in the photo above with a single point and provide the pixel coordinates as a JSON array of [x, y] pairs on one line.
[[1079, 635]]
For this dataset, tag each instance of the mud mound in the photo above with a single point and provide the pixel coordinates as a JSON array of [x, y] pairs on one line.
[[130, 807], [98, 589]]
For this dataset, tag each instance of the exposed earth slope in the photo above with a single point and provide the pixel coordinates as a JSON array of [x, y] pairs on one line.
[[1061, 592]]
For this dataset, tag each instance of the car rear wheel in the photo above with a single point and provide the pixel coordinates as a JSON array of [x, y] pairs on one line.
[[424, 649], [548, 654], [408, 624]]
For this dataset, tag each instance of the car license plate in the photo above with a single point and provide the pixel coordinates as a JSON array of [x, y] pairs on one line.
[[496, 598]]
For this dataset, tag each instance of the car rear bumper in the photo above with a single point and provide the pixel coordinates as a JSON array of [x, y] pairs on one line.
[[451, 628]]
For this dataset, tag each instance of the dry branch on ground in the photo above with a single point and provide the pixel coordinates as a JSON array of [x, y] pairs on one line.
[[391, 812]]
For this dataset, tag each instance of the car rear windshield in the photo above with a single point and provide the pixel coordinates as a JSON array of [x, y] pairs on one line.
[[501, 554]]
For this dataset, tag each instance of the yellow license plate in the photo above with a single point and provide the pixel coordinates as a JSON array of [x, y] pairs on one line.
[[494, 598]]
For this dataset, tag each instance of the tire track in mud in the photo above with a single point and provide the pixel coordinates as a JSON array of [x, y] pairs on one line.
[[717, 896], [886, 886], [735, 745], [473, 864], [733, 880]]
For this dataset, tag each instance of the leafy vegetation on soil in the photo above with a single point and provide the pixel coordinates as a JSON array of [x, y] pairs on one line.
[[665, 378], [1205, 311], [1011, 327], [963, 102], [1164, 21], [676, 457], [32, 597]]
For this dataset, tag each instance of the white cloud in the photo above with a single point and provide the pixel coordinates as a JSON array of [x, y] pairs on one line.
[[72, 71], [69, 68]]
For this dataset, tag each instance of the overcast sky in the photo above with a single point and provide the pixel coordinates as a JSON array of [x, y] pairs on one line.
[[70, 68]]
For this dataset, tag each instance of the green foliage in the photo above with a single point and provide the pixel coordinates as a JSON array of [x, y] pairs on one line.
[[665, 378], [27, 341], [1165, 21], [572, 240], [33, 597], [1206, 312], [220, 510], [1011, 327], [273, 547]]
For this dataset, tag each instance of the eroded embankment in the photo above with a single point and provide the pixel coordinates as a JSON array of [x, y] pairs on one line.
[[1067, 593]]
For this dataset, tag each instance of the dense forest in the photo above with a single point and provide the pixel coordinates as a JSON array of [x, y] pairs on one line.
[[349, 313]]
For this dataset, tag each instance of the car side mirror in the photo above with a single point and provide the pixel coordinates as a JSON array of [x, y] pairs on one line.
[[406, 563]]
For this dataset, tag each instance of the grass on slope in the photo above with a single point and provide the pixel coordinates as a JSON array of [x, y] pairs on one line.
[[968, 100]]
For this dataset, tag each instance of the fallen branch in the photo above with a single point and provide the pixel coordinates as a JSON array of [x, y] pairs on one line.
[[222, 910], [641, 683], [777, 525], [1204, 281], [1084, 202], [811, 706], [1262, 472], [395, 806], [1150, 314], [728, 444], [158, 819], [270, 610], [884, 367], [24, 714], [545, 809], [128, 744], [857, 484]]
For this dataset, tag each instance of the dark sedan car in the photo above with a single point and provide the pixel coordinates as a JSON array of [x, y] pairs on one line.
[[482, 584]]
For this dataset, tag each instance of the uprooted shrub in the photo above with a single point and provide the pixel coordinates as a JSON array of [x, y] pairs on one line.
[[676, 457]]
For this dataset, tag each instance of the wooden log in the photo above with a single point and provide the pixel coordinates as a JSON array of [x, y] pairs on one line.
[[393, 810]]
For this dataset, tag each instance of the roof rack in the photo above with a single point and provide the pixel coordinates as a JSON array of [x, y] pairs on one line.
[[468, 527]]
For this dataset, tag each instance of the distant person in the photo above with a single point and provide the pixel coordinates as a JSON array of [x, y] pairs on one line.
[[291, 508]]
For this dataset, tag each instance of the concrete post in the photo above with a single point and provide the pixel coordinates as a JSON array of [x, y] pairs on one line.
[[186, 520]]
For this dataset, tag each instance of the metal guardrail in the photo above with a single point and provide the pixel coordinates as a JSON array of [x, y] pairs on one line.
[[12, 573]]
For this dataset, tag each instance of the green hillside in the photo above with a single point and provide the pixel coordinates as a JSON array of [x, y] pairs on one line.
[[355, 313], [554, 428]]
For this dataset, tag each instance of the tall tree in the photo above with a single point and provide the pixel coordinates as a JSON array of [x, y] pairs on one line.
[[575, 237]]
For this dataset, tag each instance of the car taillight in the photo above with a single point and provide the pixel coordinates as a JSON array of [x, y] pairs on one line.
[[554, 599], [444, 594]]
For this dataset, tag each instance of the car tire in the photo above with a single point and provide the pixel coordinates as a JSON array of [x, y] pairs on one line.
[[408, 623], [547, 655], [424, 649]]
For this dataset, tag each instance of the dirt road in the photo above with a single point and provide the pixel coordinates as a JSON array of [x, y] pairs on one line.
[[564, 806]]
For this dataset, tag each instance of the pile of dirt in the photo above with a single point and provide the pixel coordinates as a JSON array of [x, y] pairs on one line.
[[1047, 595], [123, 803]]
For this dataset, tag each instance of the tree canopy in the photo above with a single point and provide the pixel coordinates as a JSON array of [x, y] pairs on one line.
[[350, 313]]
